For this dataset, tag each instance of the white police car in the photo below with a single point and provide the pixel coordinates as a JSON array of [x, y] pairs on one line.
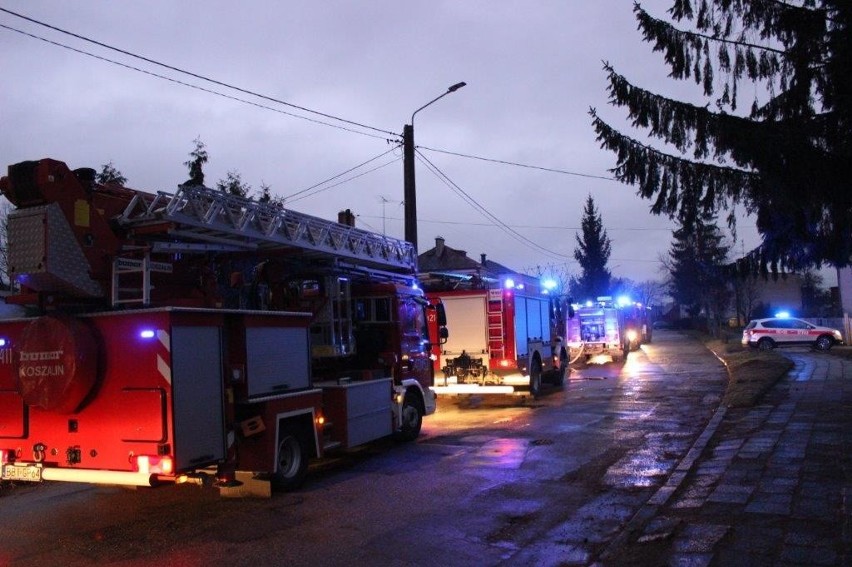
[[767, 334]]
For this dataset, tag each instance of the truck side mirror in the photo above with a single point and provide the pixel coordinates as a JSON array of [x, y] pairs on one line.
[[441, 317], [441, 314]]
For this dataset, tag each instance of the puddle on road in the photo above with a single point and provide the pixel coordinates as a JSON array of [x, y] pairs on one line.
[[500, 453]]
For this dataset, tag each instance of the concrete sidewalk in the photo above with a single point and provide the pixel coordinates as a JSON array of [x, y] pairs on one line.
[[767, 485]]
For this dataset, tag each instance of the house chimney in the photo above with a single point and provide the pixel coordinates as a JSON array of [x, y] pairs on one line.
[[482, 260], [439, 246], [346, 217]]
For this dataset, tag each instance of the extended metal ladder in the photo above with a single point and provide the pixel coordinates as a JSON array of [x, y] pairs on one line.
[[202, 219]]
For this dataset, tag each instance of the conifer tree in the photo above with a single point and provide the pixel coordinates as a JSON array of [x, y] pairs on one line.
[[233, 185], [198, 157], [697, 267], [786, 159], [592, 253], [110, 174]]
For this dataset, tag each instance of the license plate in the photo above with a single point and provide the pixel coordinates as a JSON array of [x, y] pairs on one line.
[[29, 473]]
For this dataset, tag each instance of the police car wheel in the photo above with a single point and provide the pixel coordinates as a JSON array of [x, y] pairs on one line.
[[823, 343], [765, 344]]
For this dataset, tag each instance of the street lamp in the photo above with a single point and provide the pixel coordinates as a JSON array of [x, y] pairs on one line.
[[410, 194]]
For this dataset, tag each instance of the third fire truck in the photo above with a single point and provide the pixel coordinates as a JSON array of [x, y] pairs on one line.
[[506, 339], [607, 327], [195, 335]]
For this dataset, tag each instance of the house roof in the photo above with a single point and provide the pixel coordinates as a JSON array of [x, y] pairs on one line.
[[443, 259]]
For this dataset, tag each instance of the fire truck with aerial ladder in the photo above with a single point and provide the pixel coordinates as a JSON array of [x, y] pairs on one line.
[[507, 334], [188, 336], [607, 327]]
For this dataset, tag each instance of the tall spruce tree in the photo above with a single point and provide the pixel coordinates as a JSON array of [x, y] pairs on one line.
[[592, 253], [787, 159], [697, 267]]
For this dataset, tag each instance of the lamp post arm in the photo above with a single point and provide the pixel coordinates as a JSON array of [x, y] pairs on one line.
[[452, 89], [436, 99]]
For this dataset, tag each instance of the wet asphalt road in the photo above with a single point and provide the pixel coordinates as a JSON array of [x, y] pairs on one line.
[[490, 481]]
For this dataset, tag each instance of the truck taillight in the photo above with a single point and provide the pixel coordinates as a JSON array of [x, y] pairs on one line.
[[154, 464], [4, 456]]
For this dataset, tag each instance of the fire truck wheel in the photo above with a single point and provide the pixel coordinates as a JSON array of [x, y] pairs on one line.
[[561, 371], [412, 418], [292, 463], [535, 378]]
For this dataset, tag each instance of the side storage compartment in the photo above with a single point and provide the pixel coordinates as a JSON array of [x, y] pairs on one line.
[[199, 428], [360, 412]]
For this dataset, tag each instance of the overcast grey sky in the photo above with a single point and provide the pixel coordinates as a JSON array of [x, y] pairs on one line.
[[533, 69]]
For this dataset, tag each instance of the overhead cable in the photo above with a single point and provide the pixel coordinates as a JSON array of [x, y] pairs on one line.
[[504, 162], [348, 179], [185, 72], [485, 212]]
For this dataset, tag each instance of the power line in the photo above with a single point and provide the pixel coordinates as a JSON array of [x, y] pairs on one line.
[[516, 164], [185, 84], [485, 212], [348, 179], [341, 174], [466, 223], [176, 69]]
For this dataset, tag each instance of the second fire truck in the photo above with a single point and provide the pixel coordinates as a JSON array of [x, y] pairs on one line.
[[506, 339]]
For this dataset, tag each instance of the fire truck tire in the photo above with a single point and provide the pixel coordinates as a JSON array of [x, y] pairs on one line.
[[412, 417], [562, 370], [535, 378], [292, 462]]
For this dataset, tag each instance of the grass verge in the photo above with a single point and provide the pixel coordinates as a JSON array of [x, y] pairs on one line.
[[751, 373]]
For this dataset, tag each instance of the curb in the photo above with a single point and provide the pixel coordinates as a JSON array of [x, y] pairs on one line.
[[662, 495]]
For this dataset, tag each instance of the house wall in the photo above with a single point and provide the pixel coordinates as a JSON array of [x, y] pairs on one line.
[[783, 293], [844, 284]]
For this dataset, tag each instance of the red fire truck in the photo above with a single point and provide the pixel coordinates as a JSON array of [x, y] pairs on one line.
[[189, 336], [605, 327], [506, 336]]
